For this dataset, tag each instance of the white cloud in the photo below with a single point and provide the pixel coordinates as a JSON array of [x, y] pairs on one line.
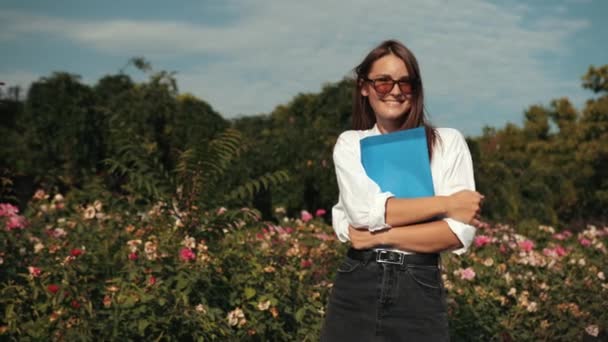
[[472, 53]]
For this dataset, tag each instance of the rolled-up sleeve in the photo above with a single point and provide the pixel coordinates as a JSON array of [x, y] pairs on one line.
[[458, 176], [362, 202]]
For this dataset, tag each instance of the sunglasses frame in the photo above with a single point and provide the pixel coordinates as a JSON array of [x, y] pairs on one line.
[[412, 82]]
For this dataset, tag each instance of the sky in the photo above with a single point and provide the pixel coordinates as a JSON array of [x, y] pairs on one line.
[[483, 62]]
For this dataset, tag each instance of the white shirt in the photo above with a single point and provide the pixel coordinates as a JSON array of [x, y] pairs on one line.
[[362, 204]]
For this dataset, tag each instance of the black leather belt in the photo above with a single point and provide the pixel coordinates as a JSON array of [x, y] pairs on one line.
[[393, 257]]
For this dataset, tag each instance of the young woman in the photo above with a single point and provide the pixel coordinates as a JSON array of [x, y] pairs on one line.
[[389, 286]]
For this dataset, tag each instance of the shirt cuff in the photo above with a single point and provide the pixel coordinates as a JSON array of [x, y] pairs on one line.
[[377, 212], [464, 232]]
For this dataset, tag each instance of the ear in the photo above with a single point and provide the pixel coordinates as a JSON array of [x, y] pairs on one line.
[[365, 89]]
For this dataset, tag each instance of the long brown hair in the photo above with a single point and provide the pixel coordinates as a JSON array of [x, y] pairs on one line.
[[363, 114]]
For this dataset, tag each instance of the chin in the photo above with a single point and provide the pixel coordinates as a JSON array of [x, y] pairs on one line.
[[393, 113]]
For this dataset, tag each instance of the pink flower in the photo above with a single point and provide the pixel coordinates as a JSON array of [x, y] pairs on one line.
[[482, 240], [75, 304], [15, 222], [186, 254], [585, 242], [133, 256], [502, 249], [526, 245], [560, 251], [320, 212], [306, 263], [53, 288], [220, 211], [305, 216], [556, 252], [76, 252], [467, 274], [288, 230], [8, 210], [563, 235], [34, 271], [152, 280]]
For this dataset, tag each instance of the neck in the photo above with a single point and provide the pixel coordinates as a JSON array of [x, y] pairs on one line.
[[389, 126]]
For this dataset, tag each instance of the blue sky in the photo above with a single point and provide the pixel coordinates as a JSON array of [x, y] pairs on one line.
[[483, 62]]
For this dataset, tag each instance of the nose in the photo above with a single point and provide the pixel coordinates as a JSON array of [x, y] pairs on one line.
[[395, 90]]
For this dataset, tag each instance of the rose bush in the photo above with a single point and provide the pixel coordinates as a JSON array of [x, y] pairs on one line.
[[106, 271]]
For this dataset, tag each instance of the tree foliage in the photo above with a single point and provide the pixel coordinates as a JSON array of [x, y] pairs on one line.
[[147, 141]]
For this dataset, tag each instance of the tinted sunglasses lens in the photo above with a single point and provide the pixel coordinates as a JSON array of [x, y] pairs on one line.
[[383, 87], [406, 87]]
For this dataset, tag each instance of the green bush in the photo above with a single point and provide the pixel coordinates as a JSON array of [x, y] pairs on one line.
[[110, 271]]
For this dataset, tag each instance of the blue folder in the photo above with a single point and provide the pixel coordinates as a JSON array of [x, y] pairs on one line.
[[399, 162]]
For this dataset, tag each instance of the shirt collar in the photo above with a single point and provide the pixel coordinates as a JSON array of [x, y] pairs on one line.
[[375, 130]]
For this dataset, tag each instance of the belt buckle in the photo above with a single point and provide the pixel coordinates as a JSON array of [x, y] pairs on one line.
[[384, 256]]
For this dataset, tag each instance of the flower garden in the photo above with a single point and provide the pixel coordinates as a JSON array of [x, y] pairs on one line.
[[101, 271]]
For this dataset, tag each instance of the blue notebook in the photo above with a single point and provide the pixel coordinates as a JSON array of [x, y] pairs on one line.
[[399, 162]]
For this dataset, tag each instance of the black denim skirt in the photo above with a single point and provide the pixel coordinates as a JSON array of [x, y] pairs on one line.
[[387, 297]]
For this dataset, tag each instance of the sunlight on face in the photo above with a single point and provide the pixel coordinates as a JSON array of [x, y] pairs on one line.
[[389, 108]]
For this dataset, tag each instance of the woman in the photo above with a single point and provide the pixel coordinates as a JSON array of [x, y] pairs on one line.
[[389, 286]]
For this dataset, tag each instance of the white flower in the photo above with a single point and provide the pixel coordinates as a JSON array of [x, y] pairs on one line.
[[38, 247], [512, 292], [488, 262], [532, 306], [133, 245], [601, 276], [263, 306], [89, 213], [189, 242], [201, 309], [97, 205], [236, 317], [593, 330], [150, 249]]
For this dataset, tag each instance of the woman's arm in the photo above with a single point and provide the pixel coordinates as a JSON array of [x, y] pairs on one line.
[[366, 206], [462, 206], [431, 237], [446, 234]]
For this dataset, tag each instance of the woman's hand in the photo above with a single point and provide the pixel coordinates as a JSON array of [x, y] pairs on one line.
[[464, 206], [363, 238]]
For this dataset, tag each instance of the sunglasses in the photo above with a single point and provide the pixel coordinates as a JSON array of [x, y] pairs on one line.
[[384, 85]]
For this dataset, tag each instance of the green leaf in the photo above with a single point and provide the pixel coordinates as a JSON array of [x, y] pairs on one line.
[[141, 326], [300, 314], [249, 292]]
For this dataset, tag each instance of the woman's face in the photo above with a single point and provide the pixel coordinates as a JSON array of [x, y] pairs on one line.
[[392, 105]]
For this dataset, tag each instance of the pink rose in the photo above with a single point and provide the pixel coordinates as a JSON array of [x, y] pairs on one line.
[[8, 210], [133, 256], [53, 288], [34, 271], [526, 245], [320, 212], [186, 254], [467, 274], [15, 222], [76, 252], [305, 216], [585, 242], [152, 280], [482, 240], [306, 263], [560, 251]]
